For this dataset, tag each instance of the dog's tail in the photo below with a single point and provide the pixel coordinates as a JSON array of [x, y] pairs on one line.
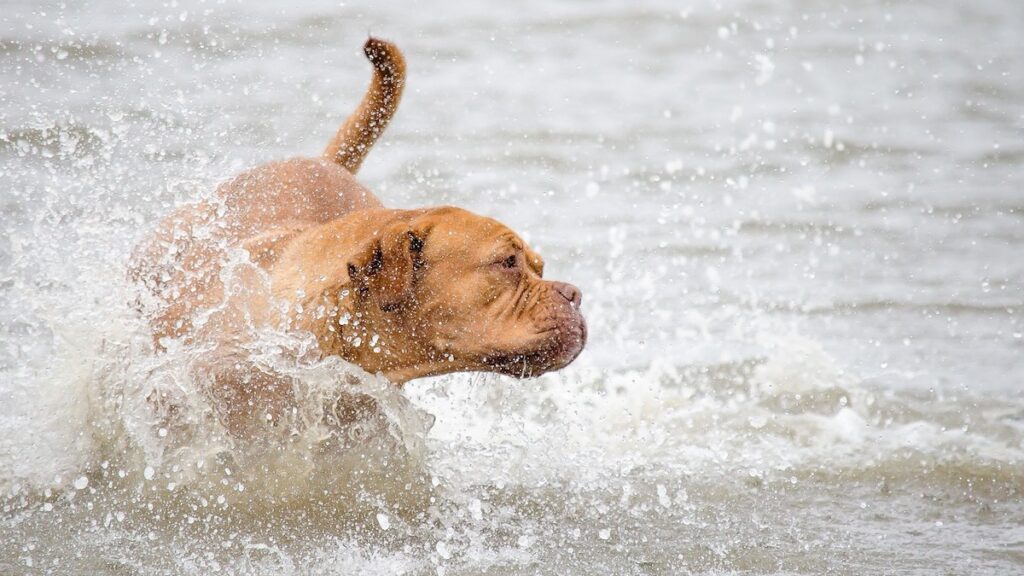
[[355, 138]]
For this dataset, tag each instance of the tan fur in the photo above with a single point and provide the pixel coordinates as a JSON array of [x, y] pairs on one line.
[[359, 133], [404, 293]]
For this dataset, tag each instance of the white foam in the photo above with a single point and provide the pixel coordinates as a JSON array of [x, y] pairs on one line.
[[796, 411]]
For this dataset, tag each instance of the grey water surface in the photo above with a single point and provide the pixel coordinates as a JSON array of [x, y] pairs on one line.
[[798, 227]]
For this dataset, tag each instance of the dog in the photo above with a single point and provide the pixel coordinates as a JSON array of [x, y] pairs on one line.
[[401, 293]]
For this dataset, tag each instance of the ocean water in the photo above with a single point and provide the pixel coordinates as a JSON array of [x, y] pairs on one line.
[[798, 227]]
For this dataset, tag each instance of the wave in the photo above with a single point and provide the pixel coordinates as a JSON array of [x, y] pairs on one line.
[[795, 413], [111, 416], [121, 417]]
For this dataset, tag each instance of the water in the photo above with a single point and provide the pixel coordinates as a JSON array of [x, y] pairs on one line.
[[797, 227]]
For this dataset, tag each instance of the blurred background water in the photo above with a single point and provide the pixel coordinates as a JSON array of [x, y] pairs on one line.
[[798, 227]]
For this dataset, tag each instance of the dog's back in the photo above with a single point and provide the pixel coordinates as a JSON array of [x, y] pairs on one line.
[[178, 264]]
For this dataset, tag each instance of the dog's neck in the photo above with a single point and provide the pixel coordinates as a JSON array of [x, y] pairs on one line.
[[346, 325]]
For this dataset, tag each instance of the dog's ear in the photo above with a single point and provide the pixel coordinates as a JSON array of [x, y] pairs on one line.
[[383, 269]]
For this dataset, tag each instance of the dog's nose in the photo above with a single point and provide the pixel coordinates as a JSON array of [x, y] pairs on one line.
[[569, 292]]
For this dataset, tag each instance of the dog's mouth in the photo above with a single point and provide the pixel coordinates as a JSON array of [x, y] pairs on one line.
[[552, 349]]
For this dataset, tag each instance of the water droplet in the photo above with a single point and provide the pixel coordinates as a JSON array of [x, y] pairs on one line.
[[442, 550]]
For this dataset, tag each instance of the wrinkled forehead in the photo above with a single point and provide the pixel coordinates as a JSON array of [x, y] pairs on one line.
[[457, 232]]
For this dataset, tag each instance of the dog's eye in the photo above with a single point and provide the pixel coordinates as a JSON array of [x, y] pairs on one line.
[[510, 262]]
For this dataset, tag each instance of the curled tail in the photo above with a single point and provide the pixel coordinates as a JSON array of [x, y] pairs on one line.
[[355, 138]]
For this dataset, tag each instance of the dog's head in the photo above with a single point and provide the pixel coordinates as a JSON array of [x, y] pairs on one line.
[[456, 291]]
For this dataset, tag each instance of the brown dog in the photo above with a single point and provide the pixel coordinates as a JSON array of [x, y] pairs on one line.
[[404, 293]]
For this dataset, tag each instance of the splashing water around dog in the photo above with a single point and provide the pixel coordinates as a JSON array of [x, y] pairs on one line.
[[796, 231]]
